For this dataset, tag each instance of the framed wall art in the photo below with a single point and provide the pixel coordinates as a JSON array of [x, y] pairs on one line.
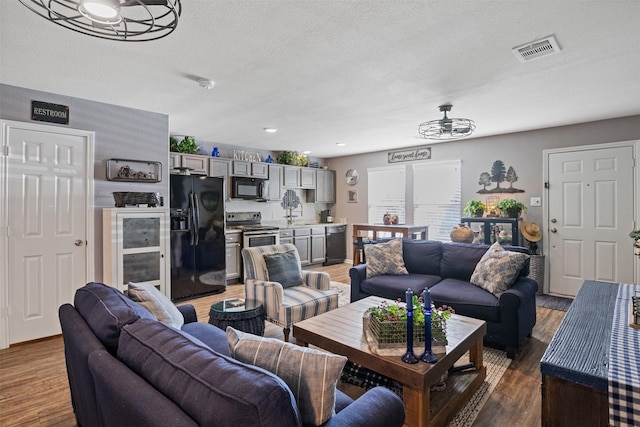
[[352, 195]]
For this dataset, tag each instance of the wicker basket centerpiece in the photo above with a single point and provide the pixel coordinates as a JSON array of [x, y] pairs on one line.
[[387, 324]]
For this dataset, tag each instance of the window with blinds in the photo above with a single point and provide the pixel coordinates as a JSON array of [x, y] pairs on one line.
[[386, 193], [437, 194]]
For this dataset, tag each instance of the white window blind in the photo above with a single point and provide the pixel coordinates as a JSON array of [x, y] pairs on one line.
[[386, 193], [437, 195]]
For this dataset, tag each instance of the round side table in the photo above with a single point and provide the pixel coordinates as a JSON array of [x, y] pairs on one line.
[[242, 314]]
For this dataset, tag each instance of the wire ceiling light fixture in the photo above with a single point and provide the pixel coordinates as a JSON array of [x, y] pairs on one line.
[[446, 128], [121, 20]]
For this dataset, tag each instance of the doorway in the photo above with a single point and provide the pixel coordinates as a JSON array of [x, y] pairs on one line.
[[47, 210], [590, 201]]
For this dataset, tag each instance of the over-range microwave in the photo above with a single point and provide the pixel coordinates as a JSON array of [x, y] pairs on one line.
[[249, 188]]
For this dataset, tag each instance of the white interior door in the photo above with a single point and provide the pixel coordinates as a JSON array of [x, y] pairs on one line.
[[590, 199], [47, 215]]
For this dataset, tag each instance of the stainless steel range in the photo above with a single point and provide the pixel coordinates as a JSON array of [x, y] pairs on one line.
[[253, 232]]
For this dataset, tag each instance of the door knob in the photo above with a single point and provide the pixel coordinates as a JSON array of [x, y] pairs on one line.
[[78, 242], [554, 230], [554, 220]]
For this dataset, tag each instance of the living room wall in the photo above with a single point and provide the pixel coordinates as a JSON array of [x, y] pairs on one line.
[[120, 133], [521, 150]]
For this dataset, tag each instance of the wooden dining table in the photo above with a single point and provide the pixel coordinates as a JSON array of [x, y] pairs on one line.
[[396, 230]]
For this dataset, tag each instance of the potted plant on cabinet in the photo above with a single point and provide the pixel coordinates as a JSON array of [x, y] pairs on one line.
[[475, 208], [511, 208]]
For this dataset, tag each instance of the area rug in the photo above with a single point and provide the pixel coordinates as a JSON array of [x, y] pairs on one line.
[[553, 302], [344, 291], [496, 362]]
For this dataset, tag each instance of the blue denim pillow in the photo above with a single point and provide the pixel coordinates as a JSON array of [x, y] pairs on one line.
[[284, 268]]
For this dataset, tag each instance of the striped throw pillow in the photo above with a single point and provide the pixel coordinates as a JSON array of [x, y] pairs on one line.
[[310, 374], [148, 296]]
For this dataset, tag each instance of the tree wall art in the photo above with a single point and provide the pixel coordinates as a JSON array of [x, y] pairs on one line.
[[499, 174]]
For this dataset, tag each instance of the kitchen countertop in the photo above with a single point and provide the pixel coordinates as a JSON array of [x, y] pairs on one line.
[[291, 226]]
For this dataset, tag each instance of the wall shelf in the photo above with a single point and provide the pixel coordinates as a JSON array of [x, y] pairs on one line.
[[134, 170]]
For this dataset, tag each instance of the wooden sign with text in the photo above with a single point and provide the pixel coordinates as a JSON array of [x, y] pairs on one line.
[[422, 153], [47, 112]]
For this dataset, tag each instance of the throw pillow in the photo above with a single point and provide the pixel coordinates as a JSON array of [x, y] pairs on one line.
[[284, 268], [310, 374], [385, 258], [498, 269], [148, 296]]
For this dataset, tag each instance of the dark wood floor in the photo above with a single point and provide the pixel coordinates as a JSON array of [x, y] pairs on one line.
[[34, 389]]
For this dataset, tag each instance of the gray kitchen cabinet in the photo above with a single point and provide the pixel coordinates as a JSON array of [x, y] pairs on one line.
[[302, 240], [318, 245], [199, 164], [233, 246], [252, 169], [308, 178], [221, 168], [174, 160], [325, 189], [286, 236], [291, 177], [275, 182]]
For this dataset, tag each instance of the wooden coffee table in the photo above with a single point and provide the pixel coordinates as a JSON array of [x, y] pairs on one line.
[[340, 331]]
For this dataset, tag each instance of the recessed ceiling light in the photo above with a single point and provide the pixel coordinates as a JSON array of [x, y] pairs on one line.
[[341, 144], [306, 152], [206, 83], [270, 130]]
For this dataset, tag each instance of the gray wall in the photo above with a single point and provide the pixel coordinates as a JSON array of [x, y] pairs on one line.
[[522, 150], [120, 132]]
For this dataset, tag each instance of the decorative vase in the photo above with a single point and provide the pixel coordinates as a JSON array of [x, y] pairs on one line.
[[462, 234]]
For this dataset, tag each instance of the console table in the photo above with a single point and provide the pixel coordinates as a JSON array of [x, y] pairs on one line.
[[575, 366], [408, 231]]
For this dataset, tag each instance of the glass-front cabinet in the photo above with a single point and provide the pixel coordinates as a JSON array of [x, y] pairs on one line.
[[490, 230], [136, 247]]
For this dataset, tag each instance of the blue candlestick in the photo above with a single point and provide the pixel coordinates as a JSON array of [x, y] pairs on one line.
[[409, 356], [427, 356]]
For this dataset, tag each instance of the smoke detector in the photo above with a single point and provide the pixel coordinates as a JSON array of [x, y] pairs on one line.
[[537, 49]]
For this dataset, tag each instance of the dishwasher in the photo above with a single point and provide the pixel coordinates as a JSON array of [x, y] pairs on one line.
[[336, 244]]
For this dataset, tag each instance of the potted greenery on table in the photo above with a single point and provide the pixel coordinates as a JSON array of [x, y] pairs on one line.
[[475, 208], [511, 208]]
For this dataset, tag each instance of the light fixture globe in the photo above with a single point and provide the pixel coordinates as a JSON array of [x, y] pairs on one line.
[[121, 20], [446, 128]]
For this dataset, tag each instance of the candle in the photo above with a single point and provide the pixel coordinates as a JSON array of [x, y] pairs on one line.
[[426, 298], [409, 296]]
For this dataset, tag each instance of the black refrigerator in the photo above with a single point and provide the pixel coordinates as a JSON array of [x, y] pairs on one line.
[[197, 236]]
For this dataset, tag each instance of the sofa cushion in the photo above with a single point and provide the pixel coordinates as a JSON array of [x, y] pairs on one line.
[[212, 336], [498, 269], [422, 256], [467, 299], [311, 374], [106, 310], [394, 287], [385, 258], [150, 297], [211, 388], [460, 259], [284, 268]]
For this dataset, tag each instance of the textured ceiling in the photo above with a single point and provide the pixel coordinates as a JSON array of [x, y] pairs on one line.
[[365, 73]]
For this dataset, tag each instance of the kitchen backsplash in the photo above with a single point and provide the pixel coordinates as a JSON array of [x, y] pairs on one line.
[[272, 211]]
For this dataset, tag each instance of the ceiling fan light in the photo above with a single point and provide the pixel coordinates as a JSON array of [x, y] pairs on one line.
[[446, 128], [101, 12]]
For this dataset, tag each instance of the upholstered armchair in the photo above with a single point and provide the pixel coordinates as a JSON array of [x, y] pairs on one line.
[[274, 277]]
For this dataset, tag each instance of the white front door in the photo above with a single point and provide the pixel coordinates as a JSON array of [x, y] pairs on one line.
[[47, 200], [590, 214]]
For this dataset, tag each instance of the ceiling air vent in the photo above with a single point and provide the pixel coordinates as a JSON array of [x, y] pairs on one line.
[[537, 49]]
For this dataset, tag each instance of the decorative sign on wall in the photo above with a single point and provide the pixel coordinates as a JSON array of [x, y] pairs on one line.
[[421, 153], [498, 174], [47, 112], [247, 156]]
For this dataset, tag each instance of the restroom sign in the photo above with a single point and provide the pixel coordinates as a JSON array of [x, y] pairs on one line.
[[48, 112]]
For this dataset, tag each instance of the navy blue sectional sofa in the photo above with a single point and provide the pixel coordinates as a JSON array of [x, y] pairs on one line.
[[125, 368], [446, 269]]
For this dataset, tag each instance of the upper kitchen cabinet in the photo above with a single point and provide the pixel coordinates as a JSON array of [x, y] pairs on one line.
[[198, 165], [325, 188], [221, 168], [298, 177], [275, 182], [252, 169]]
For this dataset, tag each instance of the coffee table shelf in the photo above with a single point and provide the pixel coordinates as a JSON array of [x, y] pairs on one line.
[[340, 331]]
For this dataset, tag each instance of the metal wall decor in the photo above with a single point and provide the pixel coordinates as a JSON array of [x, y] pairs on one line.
[[499, 173]]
